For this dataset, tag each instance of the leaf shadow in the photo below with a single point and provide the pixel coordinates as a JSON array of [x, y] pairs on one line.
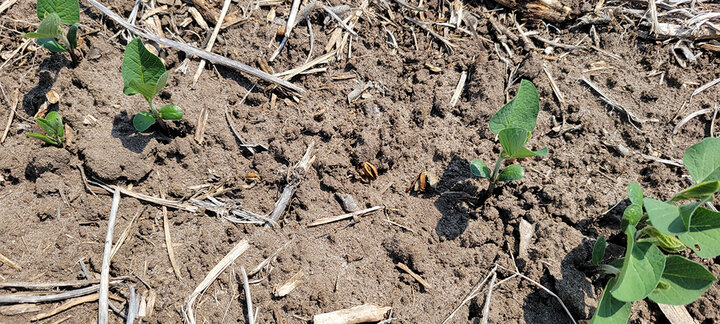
[[454, 179], [131, 139], [48, 73]]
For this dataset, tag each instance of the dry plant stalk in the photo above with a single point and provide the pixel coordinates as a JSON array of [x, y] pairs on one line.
[[65, 306], [213, 37], [294, 178], [105, 270], [202, 124], [677, 314], [16, 97], [9, 262], [285, 288], [358, 314], [168, 243], [415, 276], [236, 251], [326, 220], [19, 309], [550, 10]]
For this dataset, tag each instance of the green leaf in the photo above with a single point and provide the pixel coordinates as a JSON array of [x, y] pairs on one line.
[[687, 210], [703, 160], [668, 243], [43, 137], [632, 214], [520, 112], [611, 310], [141, 66], [641, 270], [146, 90], [67, 10], [635, 193], [480, 169], [686, 280], [698, 191], [599, 250], [171, 112], [162, 80], [51, 44], [665, 217], [513, 140], [143, 120], [702, 235], [49, 27], [72, 36], [55, 121], [511, 172], [49, 129]]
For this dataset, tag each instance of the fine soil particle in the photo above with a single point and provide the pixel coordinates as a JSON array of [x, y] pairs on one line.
[[403, 125]]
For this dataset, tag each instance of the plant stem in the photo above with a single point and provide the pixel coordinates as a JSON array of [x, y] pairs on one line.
[[158, 120], [609, 269], [153, 111], [495, 173], [73, 57]]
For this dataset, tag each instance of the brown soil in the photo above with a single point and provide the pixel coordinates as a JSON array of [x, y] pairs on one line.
[[404, 126]]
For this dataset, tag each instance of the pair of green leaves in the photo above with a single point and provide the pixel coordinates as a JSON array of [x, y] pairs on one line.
[[513, 123], [646, 271], [54, 130], [144, 73], [53, 13]]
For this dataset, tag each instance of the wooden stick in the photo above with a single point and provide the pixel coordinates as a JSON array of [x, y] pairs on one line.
[[415, 276], [202, 124], [246, 287], [67, 305], [357, 314], [212, 57], [326, 220], [154, 200], [458, 89], [126, 232], [486, 309], [293, 182], [211, 42], [12, 115], [288, 27], [52, 285], [168, 242], [105, 271], [6, 4], [9, 262], [11, 299], [236, 251]]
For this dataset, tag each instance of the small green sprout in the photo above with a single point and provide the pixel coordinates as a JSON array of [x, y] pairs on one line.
[[54, 130], [513, 124], [655, 228], [144, 73], [49, 34]]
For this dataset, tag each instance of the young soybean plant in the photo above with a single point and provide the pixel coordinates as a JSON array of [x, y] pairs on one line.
[[513, 124], [54, 130], [49, 34], [144, 73], [654, 226]]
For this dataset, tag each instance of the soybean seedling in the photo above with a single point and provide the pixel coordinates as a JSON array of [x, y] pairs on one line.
[[144, 73], [656, 231], [49, 34], [513, 124], [54, 130]]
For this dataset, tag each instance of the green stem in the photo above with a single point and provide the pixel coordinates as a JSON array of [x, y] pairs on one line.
[[71, 51], [495, 173], [609, 269], [153, 111]]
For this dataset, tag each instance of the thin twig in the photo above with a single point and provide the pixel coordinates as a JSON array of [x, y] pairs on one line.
[[415, 276], [168, 242], [212, 57], [295, 176], [249, 147], [154, 200], [30, 299], [458, 89], [12, 114], [105, 270], [326, 220], [246, 287], [689, 117], [211, 41], [471, 294], [236, 251], [54, 285], [65, 306], [340, 21], [486, 309], [9, 262], [288, 27]]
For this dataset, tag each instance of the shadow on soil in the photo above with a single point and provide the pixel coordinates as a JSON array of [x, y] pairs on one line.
[[49, 72], [454, 179], [131, 139]]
